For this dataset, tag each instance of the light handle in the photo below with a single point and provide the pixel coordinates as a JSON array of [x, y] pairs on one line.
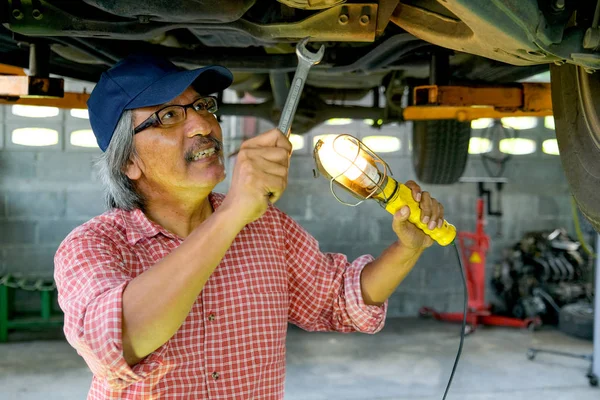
[[398, 196]]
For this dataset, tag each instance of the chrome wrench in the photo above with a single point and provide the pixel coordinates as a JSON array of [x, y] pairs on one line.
[[306, 59]]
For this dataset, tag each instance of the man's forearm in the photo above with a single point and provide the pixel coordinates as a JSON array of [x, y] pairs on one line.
[[380, 277], [156, 302]]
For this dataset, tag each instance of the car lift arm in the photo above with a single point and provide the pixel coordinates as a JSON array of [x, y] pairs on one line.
[[466, 103]]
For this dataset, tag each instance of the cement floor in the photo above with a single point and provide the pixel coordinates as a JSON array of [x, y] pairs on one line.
[[409, 359]]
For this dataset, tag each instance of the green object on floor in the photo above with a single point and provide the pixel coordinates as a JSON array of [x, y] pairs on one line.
[[12, 319]]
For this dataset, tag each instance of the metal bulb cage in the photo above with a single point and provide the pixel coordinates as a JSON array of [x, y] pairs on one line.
[[341, 180]]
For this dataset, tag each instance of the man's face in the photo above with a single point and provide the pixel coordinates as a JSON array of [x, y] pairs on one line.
[[178, 159]]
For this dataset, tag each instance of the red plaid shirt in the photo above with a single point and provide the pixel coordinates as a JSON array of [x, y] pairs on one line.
[[232, 344]]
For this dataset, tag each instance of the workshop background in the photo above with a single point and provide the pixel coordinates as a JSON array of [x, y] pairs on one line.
[[49, 185], [46, 191]]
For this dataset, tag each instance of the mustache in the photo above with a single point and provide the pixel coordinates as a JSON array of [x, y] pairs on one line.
[[201, 142]]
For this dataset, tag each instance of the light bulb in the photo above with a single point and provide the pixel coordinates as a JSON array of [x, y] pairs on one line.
[[353, 166], [340, 156]]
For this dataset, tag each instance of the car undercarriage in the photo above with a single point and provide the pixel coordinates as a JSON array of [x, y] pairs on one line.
[[381, 49]]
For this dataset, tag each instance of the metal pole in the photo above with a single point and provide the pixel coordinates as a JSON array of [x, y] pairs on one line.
[[439, 69], [280, 85], [39, 60], [596, 351], [4, 314]]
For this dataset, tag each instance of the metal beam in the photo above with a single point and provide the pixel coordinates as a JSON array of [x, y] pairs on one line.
[[524, 97], [11, 70], [31, 86], [348, 22], [465, 103], [463, 114], [69, 100]]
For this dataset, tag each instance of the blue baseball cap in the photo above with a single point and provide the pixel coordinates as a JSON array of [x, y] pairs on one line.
[[143, 80]]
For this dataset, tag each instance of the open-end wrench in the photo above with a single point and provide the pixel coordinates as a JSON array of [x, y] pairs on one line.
[[306, 59]]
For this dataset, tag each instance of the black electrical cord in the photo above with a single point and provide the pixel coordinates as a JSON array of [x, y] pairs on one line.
[[464, 321]]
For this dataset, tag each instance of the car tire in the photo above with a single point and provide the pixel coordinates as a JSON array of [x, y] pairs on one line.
[[440, 150], [576, 108], [577, 320]]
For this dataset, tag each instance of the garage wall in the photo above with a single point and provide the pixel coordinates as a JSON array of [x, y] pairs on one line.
[[46, 192]]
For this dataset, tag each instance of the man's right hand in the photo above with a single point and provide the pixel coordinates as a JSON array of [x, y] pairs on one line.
[[260, 175]]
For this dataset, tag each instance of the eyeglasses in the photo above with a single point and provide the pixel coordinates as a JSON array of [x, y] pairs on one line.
[[172, 115]]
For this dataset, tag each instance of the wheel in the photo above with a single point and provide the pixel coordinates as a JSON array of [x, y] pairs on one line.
[[576, 108], [530, 354], [593, 380], [440, 150], [577, 320]]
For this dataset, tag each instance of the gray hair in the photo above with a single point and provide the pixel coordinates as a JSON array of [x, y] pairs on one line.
[[119, 189]]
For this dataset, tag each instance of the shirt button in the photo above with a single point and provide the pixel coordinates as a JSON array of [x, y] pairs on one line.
[[215, 375], [211, 317]]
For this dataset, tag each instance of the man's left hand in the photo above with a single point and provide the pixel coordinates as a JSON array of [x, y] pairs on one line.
[[432, 214]]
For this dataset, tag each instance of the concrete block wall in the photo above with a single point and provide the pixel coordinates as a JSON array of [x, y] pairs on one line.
[[46, 192]]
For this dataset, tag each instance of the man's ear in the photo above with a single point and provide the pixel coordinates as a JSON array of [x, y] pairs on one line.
[[133, 169]]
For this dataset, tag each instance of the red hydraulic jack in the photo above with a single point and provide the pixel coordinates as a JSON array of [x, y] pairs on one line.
[[474, 247]]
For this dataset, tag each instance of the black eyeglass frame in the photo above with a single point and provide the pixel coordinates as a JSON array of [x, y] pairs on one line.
[[154, 120]]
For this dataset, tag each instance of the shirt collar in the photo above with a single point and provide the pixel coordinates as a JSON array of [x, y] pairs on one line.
[[138, 226]]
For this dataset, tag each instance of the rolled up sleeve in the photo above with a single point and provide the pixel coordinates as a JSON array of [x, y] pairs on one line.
[[366, 318], [91, 276], [325, 289]]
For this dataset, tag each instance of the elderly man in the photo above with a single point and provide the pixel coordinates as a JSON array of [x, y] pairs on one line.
[[177, 292]]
